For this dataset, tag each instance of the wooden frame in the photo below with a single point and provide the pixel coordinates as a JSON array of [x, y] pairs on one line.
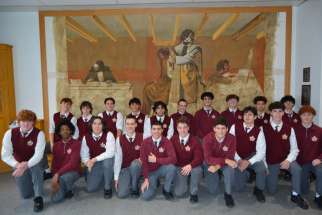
[[149, 11]]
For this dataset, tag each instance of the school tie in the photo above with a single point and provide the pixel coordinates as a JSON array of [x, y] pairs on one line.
[[96, 138], [246, 129], [85, 120], [62, 116], [208, 112], [24, 135], [182, 142], [159, 120], [131, 139], [276, 128], [156, 143]]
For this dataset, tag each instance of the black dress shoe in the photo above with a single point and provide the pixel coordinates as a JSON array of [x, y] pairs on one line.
[[167, 195], [47, 175], [69, 194], [259, 195], [135, 194], [318, 201], [194, 198], [229, 200], [38, 204], [299, 201], [108, 194]]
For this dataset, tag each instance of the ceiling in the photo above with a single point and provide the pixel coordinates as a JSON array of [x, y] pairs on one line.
[[8, 5]]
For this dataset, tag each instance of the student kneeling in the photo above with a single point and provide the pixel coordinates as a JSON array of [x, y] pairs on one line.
[[127, 167], [66, 162], [97, 153], [219, 149], [189, 161], [158, 158]]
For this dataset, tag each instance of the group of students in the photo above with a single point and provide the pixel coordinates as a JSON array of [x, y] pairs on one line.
[[182, 149]]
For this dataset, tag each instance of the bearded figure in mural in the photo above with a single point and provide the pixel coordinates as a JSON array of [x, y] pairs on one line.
[[185, 69], [158, 90], [99, 72]]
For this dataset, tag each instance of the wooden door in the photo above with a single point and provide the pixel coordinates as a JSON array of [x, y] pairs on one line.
[[7, 95]]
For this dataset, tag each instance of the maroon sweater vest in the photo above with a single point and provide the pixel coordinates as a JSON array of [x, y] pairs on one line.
[[57, 119], [177, 116], [96, 147], [131, 151], [262, 121], [165, 124], [83, 127], [309, 141], [140, 122], [191, 153], [232, 118], [23, 147], [110, 122], [246, 142], [203, 123], [277, 143], [292, 121]]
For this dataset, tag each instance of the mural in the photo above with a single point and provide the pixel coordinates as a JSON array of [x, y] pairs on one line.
[[222, 53]]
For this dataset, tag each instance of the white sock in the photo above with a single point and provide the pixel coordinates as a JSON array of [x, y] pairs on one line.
[[294, 193], [317, 195]]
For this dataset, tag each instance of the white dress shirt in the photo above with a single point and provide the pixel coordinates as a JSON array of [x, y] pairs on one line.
[[294, 150], [185, 139], [119, 119], [7, 149], [109, 148], [260, 145], [73, 121]]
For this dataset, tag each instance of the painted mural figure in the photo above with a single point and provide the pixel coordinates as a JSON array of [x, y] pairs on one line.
[[99, 72], [185, 68]]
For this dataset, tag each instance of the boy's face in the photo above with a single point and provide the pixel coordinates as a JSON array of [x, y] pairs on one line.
[[65, 132], [183, 129], [130, 125], [109, 105], [135, 107], [220, 131], [249, 117], [232, 103], [86, 110], [97, 126], [26, 125], [277, 115], [260, 106], [307, 118], [160, 110], [182, 107], [288, 105], [207, 101], [65, 107], [156, 131]]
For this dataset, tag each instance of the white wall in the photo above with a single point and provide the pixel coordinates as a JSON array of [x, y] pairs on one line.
[[307, 52], [21, 30]]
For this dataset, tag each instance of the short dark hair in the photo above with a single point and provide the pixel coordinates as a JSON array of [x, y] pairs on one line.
[[183, 120], [182, 100], [92, 121], [109, 98], [250, 109], [288, 98], [275, 105], [63, 122], [232, 96], [259, 98], [130, 116], [86, 104], [220, 120], [135, 101], [156, 123], [66, 100], [159, 103], [207, 94]]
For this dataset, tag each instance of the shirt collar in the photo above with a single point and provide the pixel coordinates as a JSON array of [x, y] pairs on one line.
[[273, 124], [99, 136], [128, 137], [261, 114], [307, 126], [206, 108], [289, 113], [157, 140], [110, 113], [136, 114], [87, 117], [160, 117], [249, 127], [28, 132], [181, 113], [232, 110], [185, 139], [64, 114]]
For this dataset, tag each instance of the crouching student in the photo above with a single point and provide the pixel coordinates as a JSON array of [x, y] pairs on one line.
[[22, 149], [251, 149], [309, 139], [158, 159], [97, 154], [281, 153], [127, 167], [219, 149], [66, 162], [189, 160]]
